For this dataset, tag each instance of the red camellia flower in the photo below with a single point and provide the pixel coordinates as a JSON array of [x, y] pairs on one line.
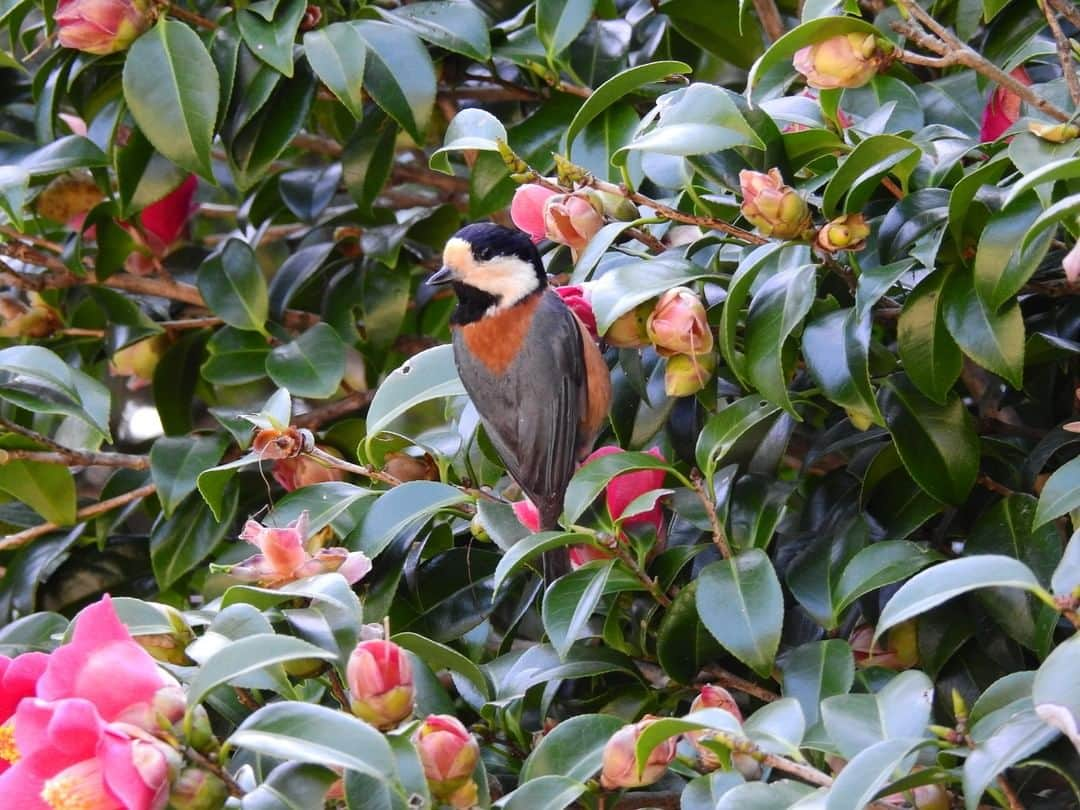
[[1003, 109], [527, 209], [575, 296], [100, 26], [381, 683], [166, 220]]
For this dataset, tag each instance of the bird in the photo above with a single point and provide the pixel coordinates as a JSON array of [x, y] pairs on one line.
[[530, 367]]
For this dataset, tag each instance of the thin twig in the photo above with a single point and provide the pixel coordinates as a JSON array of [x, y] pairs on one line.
[[33, 435], [76, 458], [215, 768], [317, 417], [1068, 9], [719, 536], [192, 17], [729, 680], [1010, 793], [989, 483], [19, 539], [769, 16], [367, 471], [650, 584], [337, 689], [1065, 55]]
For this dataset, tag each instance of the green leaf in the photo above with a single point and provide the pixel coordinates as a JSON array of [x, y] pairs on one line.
[[946, 580], [569, 604], [472, 129], [591, 479], [1060, 494], [48, 489], [212, 482], [683, 645], [337, 54], [528, 547], [878, 565], [859, 175], [573, 749], [180, 542], [992, 338], [1054, 690], [1069, 207], [272, 40], [777, 727], [737, 294], [930, 356], [779, 795], [551, 791], [937, 443], [71, 152], [35, 378], [1065, 169], [616, 89], [175, 464], [14, 190], [1002, 267], [310, 366], [247, 655], [558, 22], [836, 348], [776, 311], [868, 772], [234, 288], [624, 287], [431, 374], [171, 87], [438, 657], [399, 75], [1018, 737], [815, 671], [1066, 578], [303, 732], [368, 157], [451, 24], [291, 786], [742, 605], [414, 502], [725, 428]]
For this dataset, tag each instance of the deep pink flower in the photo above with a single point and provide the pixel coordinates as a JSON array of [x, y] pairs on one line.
[[575, 297], [166, 220], [284, 557], [1003, 109], [527, 209], [18, 680], [104, 665]]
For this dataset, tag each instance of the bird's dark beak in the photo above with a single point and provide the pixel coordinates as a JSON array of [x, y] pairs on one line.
[[440, 276]]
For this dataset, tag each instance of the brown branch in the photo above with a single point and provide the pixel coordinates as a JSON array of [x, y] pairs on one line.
[[1065, 56], [892, 188], [337, 689], [33, 435], [769, 16], [989, 483], [192, 17], [729, 680], [316, 417], [76, 458], [364, 470], [1010, 794], [1068, 9], [650, 584], [19, 539], [216, 769], [719, 536]]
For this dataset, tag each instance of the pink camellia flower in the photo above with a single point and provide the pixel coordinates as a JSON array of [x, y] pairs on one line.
[[576, 297], [1003, 109], [302, 471], [620, 768], [18, 680], [527, 209], [775, 209], [573, 219], [380, 682], [846, 60], [284, 557], [679, 324], [71, 759], [1071, 264], [100, 26], [104, 665], [448, 754]]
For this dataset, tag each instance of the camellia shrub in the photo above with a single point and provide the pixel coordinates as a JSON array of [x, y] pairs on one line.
[[258, 551]]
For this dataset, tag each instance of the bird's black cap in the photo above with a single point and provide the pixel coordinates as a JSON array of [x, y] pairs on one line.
[[489, 241]]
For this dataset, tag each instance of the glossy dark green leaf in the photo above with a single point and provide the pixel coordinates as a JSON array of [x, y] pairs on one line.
[[35, 378], [937, 443], [1060, 493], [49, 489], [439, 656], [186, 538], [272, 40], [1066, 577], [412, 502], [235, 357], [628, 285], [815, 671], [725, 427], [992, 338], [545, 791], [569, 604], [312, 365], [399, 75], [337, 54], [574, 748], [742, 605], [291, 786], [171, 87], [1018, 737], [1002, 267], [558, 22], [776, 311], [878, 565], [175, 464], [367, 158], [212, 482], [530, 547], [931, 357], [450, 24], [234, 288], [836, 348], [70, 152], [862, 170], [868, 772]]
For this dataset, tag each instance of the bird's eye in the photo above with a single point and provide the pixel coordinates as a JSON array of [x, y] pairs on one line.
[[482, 254]]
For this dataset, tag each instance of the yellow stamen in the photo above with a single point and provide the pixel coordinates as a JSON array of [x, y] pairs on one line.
[[8, 750], [79, 787]]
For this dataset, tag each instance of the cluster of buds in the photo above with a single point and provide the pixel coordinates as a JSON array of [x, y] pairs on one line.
[[449, 755], [380, 683], [679, 329], [774, 208], [34, 320], [570, 219], [101, 26], [846, 60]]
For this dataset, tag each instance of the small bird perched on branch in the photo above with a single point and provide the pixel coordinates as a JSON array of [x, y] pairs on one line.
[[536, 377]]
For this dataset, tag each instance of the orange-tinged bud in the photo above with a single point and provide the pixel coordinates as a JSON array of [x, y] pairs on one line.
[[620, 768], [1054, 133], [573, 219], [847, 60], [411, 468], [380, 682], [775, 209], [629, 331], [101, 26], [68, 197], [448, 754], [679, 324], [686, 374], [848, 232]]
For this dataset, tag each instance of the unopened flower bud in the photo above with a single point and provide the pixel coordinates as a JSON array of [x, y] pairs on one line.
[[138, 361], [774, 208], [303, 470], [711, 697], [846, 60], [169, 647], [19, 320], [679, 324], [1054, 133], [196, 789], [687, 374], [848, 232], [100, 26], [477, 530], [620, 768], [616, 206], [515, 164], [448, 754], [411, 468], [573, 219], [629, 331], [900, 650], [68, 197], [312, 17], [380, 682], [527, 209], [1071, 264]]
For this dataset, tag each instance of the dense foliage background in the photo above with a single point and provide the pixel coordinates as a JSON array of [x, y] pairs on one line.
[[217, 222]]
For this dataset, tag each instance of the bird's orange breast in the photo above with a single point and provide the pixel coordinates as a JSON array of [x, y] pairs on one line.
[[495, 340]]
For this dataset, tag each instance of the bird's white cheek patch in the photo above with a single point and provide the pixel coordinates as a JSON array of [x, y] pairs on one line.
[[457, 255], [509, 278]]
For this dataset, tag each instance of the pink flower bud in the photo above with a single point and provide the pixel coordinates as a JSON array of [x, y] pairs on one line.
[[580, 555], [139, 361], [848, 232], [774, 208], [629, 330], [573, 219], [679, 324], [1071, 264], [620, 768], [900, 650], [686, 375], [380, 682], [302, 471], [1002, 110], [527, 209], [711, 697], [847, 60], [100, 26], [574, 296], [448, 753]]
